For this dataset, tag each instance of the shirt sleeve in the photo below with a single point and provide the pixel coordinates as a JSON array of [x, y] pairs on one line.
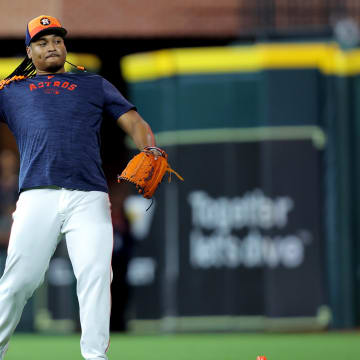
[[114, 102]]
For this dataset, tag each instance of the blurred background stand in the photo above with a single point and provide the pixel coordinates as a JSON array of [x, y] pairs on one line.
[[123, 249]]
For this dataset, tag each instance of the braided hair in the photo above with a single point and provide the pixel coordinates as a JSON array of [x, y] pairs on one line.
[[25, 70]]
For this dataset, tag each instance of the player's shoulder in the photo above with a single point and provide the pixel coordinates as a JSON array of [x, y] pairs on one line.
[[12, 86], [88, 77], [85, 75]]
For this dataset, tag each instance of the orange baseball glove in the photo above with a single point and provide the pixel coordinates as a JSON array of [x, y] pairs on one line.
[[146, 170]]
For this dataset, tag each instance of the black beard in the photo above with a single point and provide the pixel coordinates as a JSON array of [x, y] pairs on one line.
[[54, 68]]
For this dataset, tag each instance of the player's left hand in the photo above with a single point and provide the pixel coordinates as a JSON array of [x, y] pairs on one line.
[[155, 151], [147, 169]]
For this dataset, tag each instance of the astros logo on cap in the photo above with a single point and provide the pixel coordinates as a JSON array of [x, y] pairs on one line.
[[45, 21]]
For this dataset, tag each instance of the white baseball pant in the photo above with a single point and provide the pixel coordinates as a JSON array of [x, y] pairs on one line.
[[41, 217]]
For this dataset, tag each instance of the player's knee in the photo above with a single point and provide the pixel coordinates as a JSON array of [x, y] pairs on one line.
[[98, 272], [24, 286], [102, 271], [17, 292]]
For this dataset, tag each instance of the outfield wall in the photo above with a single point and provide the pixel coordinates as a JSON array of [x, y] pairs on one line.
[[263, 233]]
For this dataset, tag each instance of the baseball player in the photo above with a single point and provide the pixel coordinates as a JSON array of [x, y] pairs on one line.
[[55, 117]]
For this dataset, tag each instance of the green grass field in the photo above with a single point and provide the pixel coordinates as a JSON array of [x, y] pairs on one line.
[[324, 346]]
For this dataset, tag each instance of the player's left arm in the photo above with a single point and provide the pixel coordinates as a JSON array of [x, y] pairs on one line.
[[137, 128]]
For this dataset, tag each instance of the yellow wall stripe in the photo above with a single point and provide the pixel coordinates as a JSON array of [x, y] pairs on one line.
[[327, 57]]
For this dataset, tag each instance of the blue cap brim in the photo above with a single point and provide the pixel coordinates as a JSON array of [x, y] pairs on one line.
[[53, 30]]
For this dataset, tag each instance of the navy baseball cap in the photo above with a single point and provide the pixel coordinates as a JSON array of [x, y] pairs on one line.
[[43, 25]]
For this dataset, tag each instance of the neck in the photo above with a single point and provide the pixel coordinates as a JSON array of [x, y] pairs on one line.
[[48, 72]]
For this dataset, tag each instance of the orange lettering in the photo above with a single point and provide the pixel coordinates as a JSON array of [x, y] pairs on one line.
[[47, 83], [72, 87], [40, 84], [56, 83], [65, 84], [32, 87]]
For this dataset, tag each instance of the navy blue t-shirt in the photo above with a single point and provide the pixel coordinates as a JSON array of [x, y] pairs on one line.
[[56, 122]]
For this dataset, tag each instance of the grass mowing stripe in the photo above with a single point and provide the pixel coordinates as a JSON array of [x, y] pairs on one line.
[[331, 346]]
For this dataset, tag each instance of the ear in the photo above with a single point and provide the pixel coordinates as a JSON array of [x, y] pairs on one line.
[[29, 51]]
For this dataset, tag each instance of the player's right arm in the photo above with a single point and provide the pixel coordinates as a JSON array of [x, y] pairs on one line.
[[137, 128], [128, 118]]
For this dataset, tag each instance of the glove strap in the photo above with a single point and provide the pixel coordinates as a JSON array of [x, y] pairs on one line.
[[170, 170], [161, 151]]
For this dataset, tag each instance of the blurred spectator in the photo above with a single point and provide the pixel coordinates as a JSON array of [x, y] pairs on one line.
[[8, 198], [122, 253]]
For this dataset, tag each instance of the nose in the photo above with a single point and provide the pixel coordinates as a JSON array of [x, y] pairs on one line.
[[51, 47]]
